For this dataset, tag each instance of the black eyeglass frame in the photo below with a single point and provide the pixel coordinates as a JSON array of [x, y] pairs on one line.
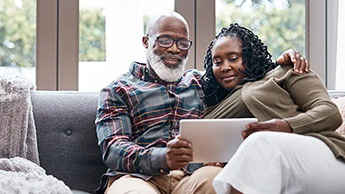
[[173, 41]]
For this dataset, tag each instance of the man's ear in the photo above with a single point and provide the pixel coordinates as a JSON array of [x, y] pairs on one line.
[[145, 41]]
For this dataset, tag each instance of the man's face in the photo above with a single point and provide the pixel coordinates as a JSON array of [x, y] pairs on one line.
[[164, 72], [169, 60]]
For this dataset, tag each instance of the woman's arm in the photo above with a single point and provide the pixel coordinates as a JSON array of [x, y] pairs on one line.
[[316, 110], [319, 112]]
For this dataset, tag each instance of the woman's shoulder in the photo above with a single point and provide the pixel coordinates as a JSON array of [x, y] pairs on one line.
[[279, 71], [287, 72], [282, 76]]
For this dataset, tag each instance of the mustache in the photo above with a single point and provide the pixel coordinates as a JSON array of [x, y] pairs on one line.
[[169, 55]]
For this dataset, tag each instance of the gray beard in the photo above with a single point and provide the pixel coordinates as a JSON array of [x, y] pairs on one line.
[[165, 73]]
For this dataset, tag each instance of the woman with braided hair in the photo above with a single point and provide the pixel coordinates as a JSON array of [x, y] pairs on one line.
[[294, 147], [252, 46]]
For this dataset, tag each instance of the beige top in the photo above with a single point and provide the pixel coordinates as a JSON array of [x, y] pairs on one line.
[[301, 100]]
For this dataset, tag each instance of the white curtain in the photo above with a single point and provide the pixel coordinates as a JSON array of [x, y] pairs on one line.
[[340, 68]]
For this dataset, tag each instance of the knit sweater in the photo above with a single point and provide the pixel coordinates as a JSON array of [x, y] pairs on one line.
[[301, 100]]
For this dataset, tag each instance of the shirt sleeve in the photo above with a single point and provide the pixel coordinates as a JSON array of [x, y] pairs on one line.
[[319, 113], [114, 132]]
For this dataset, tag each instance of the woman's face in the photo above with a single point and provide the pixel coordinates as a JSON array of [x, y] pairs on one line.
[[227, 61]]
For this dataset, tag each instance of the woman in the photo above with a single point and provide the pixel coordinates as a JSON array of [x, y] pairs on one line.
[[242, 81]]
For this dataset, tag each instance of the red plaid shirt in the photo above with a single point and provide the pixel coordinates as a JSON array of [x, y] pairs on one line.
[[138, 114]]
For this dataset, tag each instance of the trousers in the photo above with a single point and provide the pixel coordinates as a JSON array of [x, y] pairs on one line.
[[282, 163], [199, 182]]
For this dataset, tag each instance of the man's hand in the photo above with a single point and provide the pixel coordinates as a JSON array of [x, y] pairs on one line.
[[179, 153], [290, 57], [270, 125], [217, 164]]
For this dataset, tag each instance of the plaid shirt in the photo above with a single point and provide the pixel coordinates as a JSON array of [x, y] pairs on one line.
[[138, 114]]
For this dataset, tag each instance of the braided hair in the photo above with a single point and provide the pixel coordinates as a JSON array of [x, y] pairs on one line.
[[256, 59]]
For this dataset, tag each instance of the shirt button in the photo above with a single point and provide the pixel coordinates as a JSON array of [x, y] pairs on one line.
[[156, 81], [141, 171], [161, 170]]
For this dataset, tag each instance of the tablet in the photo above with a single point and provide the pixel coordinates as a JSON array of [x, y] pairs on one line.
[[214, 140]]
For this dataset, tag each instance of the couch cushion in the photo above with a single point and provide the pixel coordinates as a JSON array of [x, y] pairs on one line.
[[340, 102], [66, 136], [338, 98]]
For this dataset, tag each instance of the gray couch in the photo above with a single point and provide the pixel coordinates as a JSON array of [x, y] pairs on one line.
[[66, 136]]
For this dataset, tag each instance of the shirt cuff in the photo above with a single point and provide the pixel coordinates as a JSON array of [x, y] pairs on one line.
[[158, 161], [299, 124]]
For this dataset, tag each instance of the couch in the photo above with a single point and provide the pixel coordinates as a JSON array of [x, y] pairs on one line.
[[66, 136]]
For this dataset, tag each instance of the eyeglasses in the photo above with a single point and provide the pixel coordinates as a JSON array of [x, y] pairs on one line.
[[167, 42]]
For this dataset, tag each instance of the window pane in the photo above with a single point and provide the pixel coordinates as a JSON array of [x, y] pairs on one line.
[[110, 37], [18, 38], [280, 24]]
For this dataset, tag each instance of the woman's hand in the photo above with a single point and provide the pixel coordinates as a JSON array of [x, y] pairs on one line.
[[270, 125], [294, 57], [179, 153]]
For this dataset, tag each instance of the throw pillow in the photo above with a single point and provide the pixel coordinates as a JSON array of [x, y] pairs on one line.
[[340, 102]]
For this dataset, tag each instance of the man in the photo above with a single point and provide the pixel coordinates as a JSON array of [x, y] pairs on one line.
[[139, 113]]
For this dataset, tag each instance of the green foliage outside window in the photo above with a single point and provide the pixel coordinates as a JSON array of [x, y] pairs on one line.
[[279, 29], [92, 35], [17, 33]]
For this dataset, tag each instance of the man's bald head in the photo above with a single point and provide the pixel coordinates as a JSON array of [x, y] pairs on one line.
[[154, 24], [167, 62]]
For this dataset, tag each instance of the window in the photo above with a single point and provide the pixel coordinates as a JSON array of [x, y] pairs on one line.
[[110, 33], [61, 65], [18, 38], [280, 24]]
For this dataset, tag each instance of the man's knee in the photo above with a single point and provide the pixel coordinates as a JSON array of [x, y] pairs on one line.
[[207, 171], [201, 179], [126, 184]]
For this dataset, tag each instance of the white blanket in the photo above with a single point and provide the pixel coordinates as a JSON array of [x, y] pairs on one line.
[[20, 176], [20, 172], [17, 128]]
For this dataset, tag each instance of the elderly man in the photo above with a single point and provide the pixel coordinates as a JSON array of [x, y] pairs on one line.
[[139, 113]]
